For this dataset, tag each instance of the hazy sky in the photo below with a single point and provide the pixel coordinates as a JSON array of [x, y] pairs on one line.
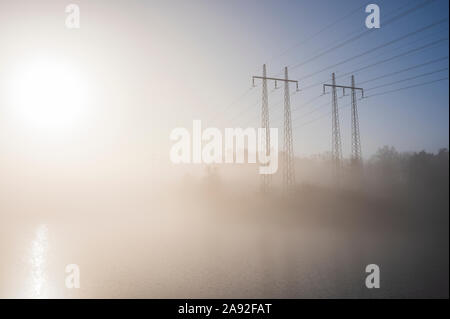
[[151, 66]]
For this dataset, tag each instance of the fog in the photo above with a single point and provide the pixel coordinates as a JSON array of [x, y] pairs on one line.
[[196, 231]]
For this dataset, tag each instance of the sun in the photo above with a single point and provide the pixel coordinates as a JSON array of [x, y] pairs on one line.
[[48, 94]]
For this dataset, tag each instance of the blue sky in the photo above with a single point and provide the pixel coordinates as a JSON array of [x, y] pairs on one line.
[[156, 65], [410, 120]]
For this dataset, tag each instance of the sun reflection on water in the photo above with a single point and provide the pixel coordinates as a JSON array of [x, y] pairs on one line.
[[39, 248]]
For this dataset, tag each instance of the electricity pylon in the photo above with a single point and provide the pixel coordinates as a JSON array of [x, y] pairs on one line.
[[265, 178], [288, 164], [356, 140], [336, 144], [288, 167]]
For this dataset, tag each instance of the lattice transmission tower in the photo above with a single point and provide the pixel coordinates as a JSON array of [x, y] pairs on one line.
[[265, 144], [336, 143], [288, 165], [288, 160], [356, 140]]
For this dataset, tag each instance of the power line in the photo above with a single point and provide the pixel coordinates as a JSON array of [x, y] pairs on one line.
[[382, 76], [406, 87], [373, 79], [382, 61], [376, 78], [404, 45], [296, 45], [376, 48], [414, 50], [313, 110], [240, 97], [373, 95], [395, 18], [248, 107], [316, 119], [395, 56], [317, 33], [245, 109], [407, 79], [404, 70], [389, 21], [307, 102], [277, 105], [355, 32]]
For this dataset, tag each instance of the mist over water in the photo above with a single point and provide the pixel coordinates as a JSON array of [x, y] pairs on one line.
[[214, 235], [87, 111]]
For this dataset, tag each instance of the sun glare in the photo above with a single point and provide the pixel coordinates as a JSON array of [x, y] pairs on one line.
[[48, 94]]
